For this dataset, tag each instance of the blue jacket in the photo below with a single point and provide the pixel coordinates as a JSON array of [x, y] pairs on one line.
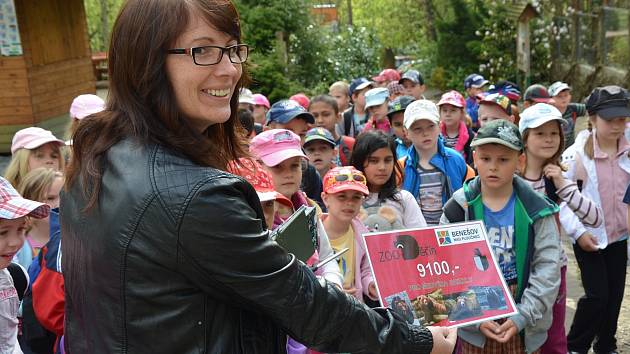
[[448, 161]]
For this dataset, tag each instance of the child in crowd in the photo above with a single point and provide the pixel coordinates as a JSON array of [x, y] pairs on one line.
[[561, 94], [602, 166], [42, 185], [432, 171], [302, 99], [376, 101], [395, 90], [453, 127], [81, 107], [413, 83], [246, 118], [395, 114], [261, 180], [324, 110], [280, 152], [473, 84], [534, 94], [541, 129], [261, 107], [374, 155], [494, 106], [344, 190], [320, 149], [386, 77], [290, 115], [355, 117], [32, 148], [13, 213], [246, 99], [524, 238], [339, 91]]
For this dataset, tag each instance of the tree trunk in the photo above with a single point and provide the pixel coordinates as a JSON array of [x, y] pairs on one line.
[[430, 22], [349, 12], [105, 23]]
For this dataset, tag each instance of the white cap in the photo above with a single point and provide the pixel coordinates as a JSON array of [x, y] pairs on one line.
[[421, 109], [537, 115], [557, 87], [246, 96]]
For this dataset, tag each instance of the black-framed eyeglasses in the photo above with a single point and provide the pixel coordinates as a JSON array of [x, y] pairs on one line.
[[211, 54]]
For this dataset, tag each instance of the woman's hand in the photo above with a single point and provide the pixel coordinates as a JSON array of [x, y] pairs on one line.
[[443, 339], [508, 330], [490, 329], [554, 173]]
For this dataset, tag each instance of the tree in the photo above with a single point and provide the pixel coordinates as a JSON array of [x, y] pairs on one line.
[[100, 19]]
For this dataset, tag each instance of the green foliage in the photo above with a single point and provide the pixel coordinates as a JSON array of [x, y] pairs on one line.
[[99, 36]]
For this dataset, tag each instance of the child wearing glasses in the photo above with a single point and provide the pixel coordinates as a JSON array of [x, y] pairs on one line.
[[344, 190], [374, 155]]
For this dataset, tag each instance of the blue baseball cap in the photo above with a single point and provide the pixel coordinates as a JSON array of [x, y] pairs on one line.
[[474, 80], [376, 96], [285, 110], [358, 84]]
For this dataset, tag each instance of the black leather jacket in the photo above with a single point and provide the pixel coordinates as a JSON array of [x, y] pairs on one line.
[[174, 259]]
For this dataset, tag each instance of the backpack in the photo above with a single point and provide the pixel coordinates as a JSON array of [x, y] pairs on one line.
[[345, 150]]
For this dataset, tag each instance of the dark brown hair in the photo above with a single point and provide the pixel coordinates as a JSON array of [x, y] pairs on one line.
[[141, 101]]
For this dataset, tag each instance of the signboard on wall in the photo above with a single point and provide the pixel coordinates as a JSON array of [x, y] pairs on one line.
[[10, 43]]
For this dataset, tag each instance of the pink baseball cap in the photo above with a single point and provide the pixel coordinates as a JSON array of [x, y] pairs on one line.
[[260, 179], [276, 145], [453, 98], [261, 100], [32, 138], [85, 105], [13, 206], [346, 178], [302, 99]]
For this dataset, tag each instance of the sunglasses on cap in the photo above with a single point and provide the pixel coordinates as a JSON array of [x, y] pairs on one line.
[[345, 177]]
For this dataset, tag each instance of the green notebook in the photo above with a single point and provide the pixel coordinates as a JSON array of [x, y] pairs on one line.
[[298, 234]]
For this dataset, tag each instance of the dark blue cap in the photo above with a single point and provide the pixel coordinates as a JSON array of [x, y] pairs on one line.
[[284, 111], [608, 102], [474, 80], [358, 84]]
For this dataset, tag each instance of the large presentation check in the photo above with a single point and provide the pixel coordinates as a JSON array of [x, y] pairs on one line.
[[445, 275]]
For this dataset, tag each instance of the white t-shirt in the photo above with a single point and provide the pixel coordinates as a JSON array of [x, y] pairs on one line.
[[406, 208], [9, 306]]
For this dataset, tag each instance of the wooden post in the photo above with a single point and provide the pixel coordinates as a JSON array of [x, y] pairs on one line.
[[349, 12]]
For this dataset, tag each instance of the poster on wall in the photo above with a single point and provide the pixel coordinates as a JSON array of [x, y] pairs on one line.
[[10, 43], [444, 275]]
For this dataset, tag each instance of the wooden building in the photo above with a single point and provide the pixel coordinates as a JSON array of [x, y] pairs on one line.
[[37, 87]]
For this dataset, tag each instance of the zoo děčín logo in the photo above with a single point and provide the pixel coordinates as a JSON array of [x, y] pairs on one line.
[[456, 235]]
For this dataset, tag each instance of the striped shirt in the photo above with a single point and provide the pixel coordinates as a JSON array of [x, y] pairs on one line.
[[430, 194]]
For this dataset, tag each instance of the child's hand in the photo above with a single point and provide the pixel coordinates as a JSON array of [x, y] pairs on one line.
[[443, 339], [372, 290], [490, 329], [587, 242], [350, 291], [508, 329], [554, 173]]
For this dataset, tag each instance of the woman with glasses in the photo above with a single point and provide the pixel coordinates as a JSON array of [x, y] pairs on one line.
[[163, 251]]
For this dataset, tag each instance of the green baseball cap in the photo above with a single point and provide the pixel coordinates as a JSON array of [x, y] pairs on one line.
[[501, 132]]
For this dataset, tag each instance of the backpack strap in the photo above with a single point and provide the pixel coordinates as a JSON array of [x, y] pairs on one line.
[[347, 122], [20, 279], [453, 211]]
